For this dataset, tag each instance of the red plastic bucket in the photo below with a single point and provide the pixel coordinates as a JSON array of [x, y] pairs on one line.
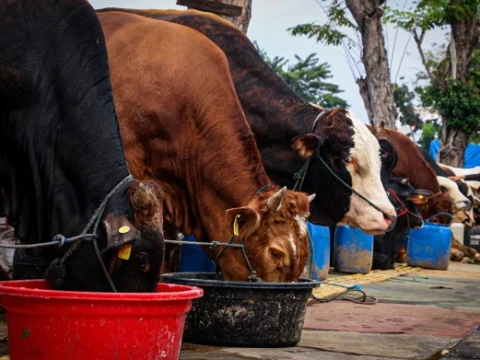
[[67, 325]]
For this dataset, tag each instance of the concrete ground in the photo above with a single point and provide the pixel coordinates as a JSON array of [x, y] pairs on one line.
[[420, 314]]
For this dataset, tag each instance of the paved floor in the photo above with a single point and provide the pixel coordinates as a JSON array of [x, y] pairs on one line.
[[421, 314], [424, 314]]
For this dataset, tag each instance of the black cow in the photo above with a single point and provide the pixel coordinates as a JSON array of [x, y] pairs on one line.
[[61, 154], [404, 197]]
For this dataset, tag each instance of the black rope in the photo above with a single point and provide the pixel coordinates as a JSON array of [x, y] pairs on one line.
[[363, 299], [348, 186], [58, 240]]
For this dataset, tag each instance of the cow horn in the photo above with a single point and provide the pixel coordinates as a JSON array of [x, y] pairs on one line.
[[275, 201], [311, 197]]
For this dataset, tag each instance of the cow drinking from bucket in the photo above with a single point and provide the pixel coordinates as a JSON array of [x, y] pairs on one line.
[[182, 125], [280, 119], [61, 156], [405, 198]]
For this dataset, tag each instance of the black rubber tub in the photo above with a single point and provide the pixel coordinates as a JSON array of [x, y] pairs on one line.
[[244, 314]]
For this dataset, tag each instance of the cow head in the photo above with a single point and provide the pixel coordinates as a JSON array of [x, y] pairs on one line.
[[465, 215], [274, 230], [389, 158], [131, 246], [405, 199], [459, 201], [353, 154]]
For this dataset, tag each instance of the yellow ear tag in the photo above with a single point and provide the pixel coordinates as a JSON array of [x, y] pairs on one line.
[[235, 225], [124, 252], [124, 229], [420, 197]]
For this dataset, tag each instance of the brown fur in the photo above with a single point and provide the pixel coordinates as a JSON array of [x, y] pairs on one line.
[[147, 205], [182, 126], [420, 174]]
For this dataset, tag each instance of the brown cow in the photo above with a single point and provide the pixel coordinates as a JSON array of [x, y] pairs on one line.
[[420, 174], [183, 126], [277, 116], [412, 165]]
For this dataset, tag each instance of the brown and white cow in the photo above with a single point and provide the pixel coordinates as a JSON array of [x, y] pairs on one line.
[[280, 120], [183, 126]]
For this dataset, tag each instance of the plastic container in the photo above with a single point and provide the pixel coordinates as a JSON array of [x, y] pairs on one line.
[[473, 238], [244, 314], [46, 324], [458, 231], [193, 258], [320, 236], [429, 247], [353, 250]]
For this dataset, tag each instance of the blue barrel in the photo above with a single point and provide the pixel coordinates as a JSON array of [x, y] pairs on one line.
[[193, 258], [320, 245], [429, 247], [353, 250]]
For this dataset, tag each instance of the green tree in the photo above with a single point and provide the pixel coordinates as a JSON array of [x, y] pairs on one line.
[[372, 73], [307, 78], [453, 88], [404, 102], [428, 135]]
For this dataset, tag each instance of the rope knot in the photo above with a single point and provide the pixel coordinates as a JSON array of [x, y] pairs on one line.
[[60, 239]]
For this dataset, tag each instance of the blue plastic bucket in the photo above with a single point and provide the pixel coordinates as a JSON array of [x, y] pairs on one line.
[[353, 250], [193, 258], [429, 247], [320, 236]]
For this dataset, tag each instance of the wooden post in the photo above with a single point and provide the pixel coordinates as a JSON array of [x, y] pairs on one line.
[[237, 12]]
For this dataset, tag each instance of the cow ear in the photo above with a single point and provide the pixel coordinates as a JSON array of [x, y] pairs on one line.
[[306, 145], [119, 231], [242, 220]]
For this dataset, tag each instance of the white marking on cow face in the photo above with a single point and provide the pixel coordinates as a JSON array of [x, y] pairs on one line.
[[302, 223], [365, 173], [458, 200], [291, 240]]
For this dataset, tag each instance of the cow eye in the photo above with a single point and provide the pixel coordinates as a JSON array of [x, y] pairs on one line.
[[142, 262], [348, 159]]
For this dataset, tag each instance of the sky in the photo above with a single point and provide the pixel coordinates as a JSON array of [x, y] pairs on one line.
[[268, 27]]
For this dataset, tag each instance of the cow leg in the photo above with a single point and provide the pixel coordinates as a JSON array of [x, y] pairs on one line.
[[332, 245], [381, 256], [456, 255], [468, 251]]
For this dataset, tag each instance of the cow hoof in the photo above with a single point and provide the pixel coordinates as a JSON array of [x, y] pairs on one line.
[[456, 255]]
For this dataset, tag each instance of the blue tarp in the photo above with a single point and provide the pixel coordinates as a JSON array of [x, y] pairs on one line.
[[471, 157]]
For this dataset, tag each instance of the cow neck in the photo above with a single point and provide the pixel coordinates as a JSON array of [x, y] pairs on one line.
[[222, 170], [64, 143]]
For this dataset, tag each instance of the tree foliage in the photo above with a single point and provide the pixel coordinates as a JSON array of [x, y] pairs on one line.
[[458, 101], [356, 26], [428, 135], [328, 33], [307, 78], [404, 102]]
